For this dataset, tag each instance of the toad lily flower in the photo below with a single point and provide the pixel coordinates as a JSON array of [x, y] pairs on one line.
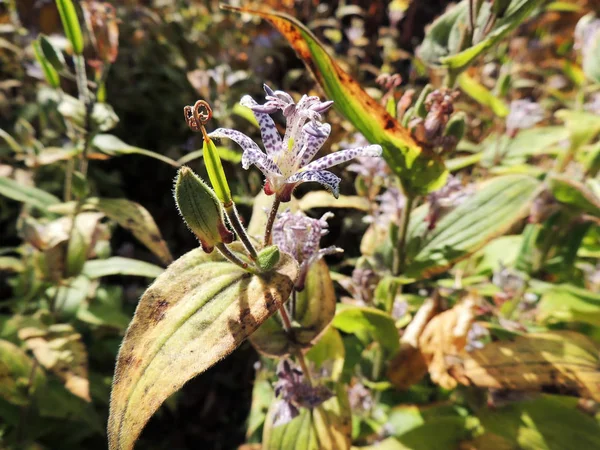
[[287, 161]]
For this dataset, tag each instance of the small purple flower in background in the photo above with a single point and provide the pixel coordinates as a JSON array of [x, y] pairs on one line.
[[294, 393], [450, 196], [360, 399], [476, 336], [287, 161], [300, 236], [523, 114], [593, 104]]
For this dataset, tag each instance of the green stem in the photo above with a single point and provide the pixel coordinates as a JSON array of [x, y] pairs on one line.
[[287, 326], [241, 232], [271, 221], [400, 251]]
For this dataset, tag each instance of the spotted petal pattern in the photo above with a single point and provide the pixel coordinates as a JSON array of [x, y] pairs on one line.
[[326, 178], [268, 130], [341, 157]]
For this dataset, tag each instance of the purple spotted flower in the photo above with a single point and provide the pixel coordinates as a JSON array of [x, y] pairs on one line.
[[300, 236], [287, 161]]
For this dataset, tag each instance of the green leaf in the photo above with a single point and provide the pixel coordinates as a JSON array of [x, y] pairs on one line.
[[517, 12], [196, 313], [48, 70], [549, 422], [482, 95], [496, 206], [314, 310], [374, 322], [135, 218], [26, 194], [326, 427], [70, 23], [574, 194], [112, 145], [329, 352], [420, 170], [567, 303], [118, 265], [583, 126], [52, 54]]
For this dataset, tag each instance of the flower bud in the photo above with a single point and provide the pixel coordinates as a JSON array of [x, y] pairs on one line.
[[101, 22], [268, 257], [70, 22], [201, 210], [216, 174]]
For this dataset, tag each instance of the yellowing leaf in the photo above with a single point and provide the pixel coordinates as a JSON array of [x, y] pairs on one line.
[[135, 218], [562, 361], [196, 313], [59, 349], [315, 308], [15, 370], [420, 170]]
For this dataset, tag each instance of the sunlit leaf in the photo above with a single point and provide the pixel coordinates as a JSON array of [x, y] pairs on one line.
[[482, 95], [489, 213], [567, 303], [548, 422], [113, 146], [26, 194], [561, 360], [60, 349], [135, 218], [196, 313], [117, 265], [323, 199], [419, 169], [575, 194], [370, 321]]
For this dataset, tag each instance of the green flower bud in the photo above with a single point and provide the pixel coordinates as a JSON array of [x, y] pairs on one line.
[[216, 174], [70, 22], [420, 109], [50, 73], [268, 257], [201, 210]]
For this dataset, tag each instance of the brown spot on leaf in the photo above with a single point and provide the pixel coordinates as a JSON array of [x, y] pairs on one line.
[[158, 312]]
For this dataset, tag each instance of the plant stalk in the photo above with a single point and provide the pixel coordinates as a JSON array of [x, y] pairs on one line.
[[271, 221], [400, 251], [241, 232]]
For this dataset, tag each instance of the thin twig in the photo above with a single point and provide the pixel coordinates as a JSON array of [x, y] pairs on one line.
[[232, 258]]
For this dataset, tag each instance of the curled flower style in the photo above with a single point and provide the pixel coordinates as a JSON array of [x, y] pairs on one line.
[[287, 161], [300, 236]]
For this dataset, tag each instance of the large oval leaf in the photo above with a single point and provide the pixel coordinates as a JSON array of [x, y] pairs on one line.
[[315, 308], [420, 170], [326, 427], [489, 213], [196, 313]]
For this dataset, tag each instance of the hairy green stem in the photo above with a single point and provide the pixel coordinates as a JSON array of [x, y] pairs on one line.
[[232, 258]]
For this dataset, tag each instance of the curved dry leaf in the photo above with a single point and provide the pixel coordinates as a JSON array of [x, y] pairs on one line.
[[135, 218], [60, 349], [315, 308], [559, 361], [196, 313]]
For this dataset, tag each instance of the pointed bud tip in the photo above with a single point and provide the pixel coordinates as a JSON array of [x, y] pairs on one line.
[[268, 258]]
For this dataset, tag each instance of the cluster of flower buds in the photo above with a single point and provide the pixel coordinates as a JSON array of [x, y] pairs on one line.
[[300, 236], [102, 24], [294, 393], [437, 129]]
